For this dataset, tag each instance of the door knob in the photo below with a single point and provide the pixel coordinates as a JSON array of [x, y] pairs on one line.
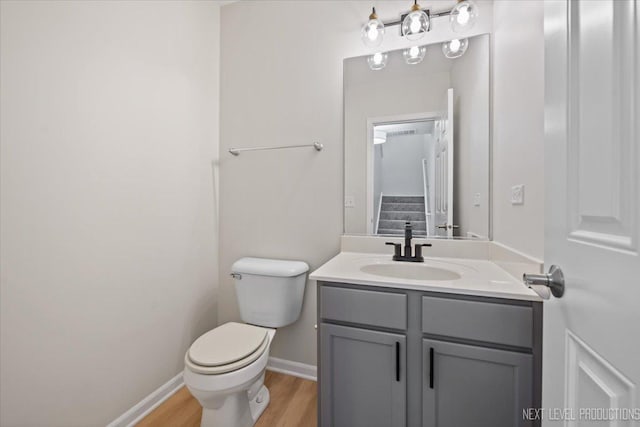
[[446, 226], [554, 280]]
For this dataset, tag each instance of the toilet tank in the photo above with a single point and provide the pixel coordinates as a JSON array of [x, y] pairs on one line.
[[270, 291]]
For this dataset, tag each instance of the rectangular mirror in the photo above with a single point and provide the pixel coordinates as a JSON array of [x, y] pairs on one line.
[[417, 144]]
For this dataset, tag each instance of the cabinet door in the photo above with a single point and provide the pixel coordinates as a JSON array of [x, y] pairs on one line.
[[362, 378], [465, 385]]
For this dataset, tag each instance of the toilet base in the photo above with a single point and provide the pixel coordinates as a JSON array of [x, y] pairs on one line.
[[238, 410], [259, 403]]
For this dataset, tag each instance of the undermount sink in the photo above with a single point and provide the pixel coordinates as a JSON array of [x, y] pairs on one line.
[[410, 271]]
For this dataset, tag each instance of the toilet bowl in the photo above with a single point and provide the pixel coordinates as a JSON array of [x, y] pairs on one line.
[[225, 367], [231, 394]]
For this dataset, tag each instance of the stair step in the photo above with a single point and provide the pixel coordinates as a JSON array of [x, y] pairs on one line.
[[398, 232], [413, 207], [403, 215], [390, 224], [402, 199]]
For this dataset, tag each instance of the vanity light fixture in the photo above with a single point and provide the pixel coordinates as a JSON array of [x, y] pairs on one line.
[[414, 26], [373, 31], [414, 55], [463, 16], [455, 48], [416, 23], [378, 60]]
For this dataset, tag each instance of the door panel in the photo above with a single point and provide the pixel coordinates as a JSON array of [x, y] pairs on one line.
[[590, 354], [475, 386], [444, 172], [358, 377]]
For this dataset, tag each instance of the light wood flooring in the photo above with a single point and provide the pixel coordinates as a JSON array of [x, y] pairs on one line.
[[293, 403]]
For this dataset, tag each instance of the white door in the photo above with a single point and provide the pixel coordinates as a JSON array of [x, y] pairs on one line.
[[591, 345], [444, 172]]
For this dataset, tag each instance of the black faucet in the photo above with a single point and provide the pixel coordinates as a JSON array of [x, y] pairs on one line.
[[408, 235]]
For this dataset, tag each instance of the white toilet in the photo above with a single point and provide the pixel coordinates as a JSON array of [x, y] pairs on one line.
[[224, 368]]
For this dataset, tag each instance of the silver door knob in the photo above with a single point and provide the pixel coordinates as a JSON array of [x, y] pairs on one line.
[[554, 280]]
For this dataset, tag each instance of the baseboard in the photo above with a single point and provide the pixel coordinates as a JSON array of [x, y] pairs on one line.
[[149, 403], [297, 369]]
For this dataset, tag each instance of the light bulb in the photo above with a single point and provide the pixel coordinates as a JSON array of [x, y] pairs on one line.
[[373, 31], [378, 60], [455, 48], [463, 16], [416, 23], [414, 55]]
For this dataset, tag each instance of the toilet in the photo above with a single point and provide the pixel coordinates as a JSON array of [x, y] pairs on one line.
[[225, 367]]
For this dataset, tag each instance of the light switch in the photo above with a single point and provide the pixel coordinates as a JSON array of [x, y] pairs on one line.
[[476, 199], [517, 194], [349, 202]]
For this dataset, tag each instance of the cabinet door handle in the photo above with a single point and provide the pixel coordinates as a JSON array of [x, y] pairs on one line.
[[430, 367], [397, 361]]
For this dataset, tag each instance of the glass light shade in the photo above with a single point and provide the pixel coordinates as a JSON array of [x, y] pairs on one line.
[[463, 16], [414, 55], [378, 61], [415, 25], [455, 48], [373, 31]]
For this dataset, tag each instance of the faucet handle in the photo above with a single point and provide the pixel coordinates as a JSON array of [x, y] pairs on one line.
[[397, 248], [418, 252]]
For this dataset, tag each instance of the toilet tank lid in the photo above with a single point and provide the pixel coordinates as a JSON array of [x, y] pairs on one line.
[[269, 267]]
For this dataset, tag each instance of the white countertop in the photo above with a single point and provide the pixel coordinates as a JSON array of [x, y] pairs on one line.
[[477, 277]]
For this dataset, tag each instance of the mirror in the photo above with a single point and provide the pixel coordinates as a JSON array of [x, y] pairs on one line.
[[417, 144]]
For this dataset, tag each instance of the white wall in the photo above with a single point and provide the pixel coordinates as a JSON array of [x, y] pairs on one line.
[[401, 167], [109, 127], [282, 84], [518, 124]]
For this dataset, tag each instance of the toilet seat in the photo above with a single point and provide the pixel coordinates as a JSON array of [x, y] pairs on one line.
[[227, 348]]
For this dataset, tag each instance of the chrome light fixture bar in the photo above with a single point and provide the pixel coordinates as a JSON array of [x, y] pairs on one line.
[[427, 11], [416, 23]]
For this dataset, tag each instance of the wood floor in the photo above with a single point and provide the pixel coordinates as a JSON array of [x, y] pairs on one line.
[[294, 403]]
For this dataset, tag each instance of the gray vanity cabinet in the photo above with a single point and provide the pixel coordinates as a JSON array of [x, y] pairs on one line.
[[363, 378], [411, 358], [493, 384]]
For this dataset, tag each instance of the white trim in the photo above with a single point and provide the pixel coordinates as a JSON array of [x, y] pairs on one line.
[[296, 369], [377, 223], [149, 403], [425, 193], [372, 122]]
